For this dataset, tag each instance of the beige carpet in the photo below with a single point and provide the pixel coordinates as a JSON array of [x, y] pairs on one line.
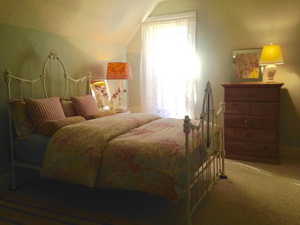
[[254, 194]]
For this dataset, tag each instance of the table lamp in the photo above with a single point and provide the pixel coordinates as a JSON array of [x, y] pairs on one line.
[[118, 71], [271, 56]]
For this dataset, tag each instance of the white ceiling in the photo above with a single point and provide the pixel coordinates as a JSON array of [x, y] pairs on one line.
[[108, 21]]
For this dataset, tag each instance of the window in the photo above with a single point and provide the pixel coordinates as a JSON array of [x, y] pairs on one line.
[[170, 68]]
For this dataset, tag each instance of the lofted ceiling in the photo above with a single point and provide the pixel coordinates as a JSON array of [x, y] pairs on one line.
[[109, 21]]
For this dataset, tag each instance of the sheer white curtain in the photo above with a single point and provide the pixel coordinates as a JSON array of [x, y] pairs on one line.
[[170, 68]]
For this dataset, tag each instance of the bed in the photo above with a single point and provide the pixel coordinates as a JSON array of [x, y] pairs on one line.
[[172, 158]]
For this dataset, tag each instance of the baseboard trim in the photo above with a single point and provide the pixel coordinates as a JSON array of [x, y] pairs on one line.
[[4, 180]]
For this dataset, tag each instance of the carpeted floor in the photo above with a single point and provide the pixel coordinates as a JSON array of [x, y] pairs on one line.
[[254, 194]]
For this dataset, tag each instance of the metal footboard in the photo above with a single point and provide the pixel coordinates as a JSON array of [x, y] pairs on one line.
[[206, 136]]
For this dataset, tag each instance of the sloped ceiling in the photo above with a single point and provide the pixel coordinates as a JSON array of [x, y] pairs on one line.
[[108, 21]]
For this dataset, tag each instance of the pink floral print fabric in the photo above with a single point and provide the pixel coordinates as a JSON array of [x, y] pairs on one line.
[[126, 151], [75, 152], [150, 158]]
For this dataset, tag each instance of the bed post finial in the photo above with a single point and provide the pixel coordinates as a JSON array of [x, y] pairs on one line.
[[53, 55], [187, 125]]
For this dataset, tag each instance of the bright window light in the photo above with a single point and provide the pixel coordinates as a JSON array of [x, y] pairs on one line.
[[170, 67]]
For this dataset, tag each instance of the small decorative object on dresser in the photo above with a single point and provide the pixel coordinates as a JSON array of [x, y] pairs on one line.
[[251, 121]]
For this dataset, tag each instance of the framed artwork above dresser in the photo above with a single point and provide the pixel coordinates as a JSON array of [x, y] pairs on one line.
[[251, 121]]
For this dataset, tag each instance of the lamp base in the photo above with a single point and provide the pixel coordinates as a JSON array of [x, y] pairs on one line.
[[270, 72]]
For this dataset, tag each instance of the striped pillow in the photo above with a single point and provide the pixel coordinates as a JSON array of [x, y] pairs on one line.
[[85, 105], [44, 109]]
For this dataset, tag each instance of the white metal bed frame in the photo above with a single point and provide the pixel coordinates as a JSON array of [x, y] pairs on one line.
[[10, 79], [199, 181]]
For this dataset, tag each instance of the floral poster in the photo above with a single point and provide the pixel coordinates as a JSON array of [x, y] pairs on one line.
[[246, 64]]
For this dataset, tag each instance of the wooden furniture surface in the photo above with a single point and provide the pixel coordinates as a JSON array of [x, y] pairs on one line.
[[251, 121]]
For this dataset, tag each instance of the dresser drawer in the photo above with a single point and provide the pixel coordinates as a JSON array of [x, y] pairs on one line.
[[262, 123], [236, 121], [237, 108], [252, 94], [251, 149], [264, 109], [250, 135]]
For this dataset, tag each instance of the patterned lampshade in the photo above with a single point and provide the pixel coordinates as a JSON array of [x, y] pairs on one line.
[[118, 71], [271, 54]]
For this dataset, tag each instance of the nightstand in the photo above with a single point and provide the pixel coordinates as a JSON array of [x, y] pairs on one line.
[[251, 121]]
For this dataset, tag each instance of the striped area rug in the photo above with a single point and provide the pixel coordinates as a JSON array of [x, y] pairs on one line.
[[17, 209]]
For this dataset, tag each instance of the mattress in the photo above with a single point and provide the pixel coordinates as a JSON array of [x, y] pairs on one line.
[[31, 149]]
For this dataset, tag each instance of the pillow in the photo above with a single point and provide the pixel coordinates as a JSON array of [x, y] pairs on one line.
[[101, 114], [48, 128], [44, 109], [85, 105], [22, 123], [68, 108]]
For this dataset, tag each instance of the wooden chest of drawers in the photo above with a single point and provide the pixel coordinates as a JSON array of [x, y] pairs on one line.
[[251, 121]]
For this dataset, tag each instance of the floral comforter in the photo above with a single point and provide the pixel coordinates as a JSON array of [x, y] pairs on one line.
[[128, 151]]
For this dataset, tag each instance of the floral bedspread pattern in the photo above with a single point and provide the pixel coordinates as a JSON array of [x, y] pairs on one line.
[[75, 152], [132, 151], [150, 158]]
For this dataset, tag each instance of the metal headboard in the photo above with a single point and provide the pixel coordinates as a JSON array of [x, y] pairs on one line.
[[79, 83], [21, 82], [12, 79], [83, 81]]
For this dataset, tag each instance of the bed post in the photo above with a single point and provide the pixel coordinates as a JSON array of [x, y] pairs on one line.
[[11, 142], [187, 130], [220, 118], [89, 91], [222, 153], [13, 184]]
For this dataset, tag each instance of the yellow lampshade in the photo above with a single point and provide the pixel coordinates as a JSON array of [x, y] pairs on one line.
[[271, 54], [98, 83]]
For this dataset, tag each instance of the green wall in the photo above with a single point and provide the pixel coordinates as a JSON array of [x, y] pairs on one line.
[[225, 25], [23, 51]]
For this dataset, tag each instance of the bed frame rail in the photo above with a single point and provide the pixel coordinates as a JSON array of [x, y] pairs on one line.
[[207, 136]]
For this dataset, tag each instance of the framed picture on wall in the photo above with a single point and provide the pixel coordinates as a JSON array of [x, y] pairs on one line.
[[246, 64]]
